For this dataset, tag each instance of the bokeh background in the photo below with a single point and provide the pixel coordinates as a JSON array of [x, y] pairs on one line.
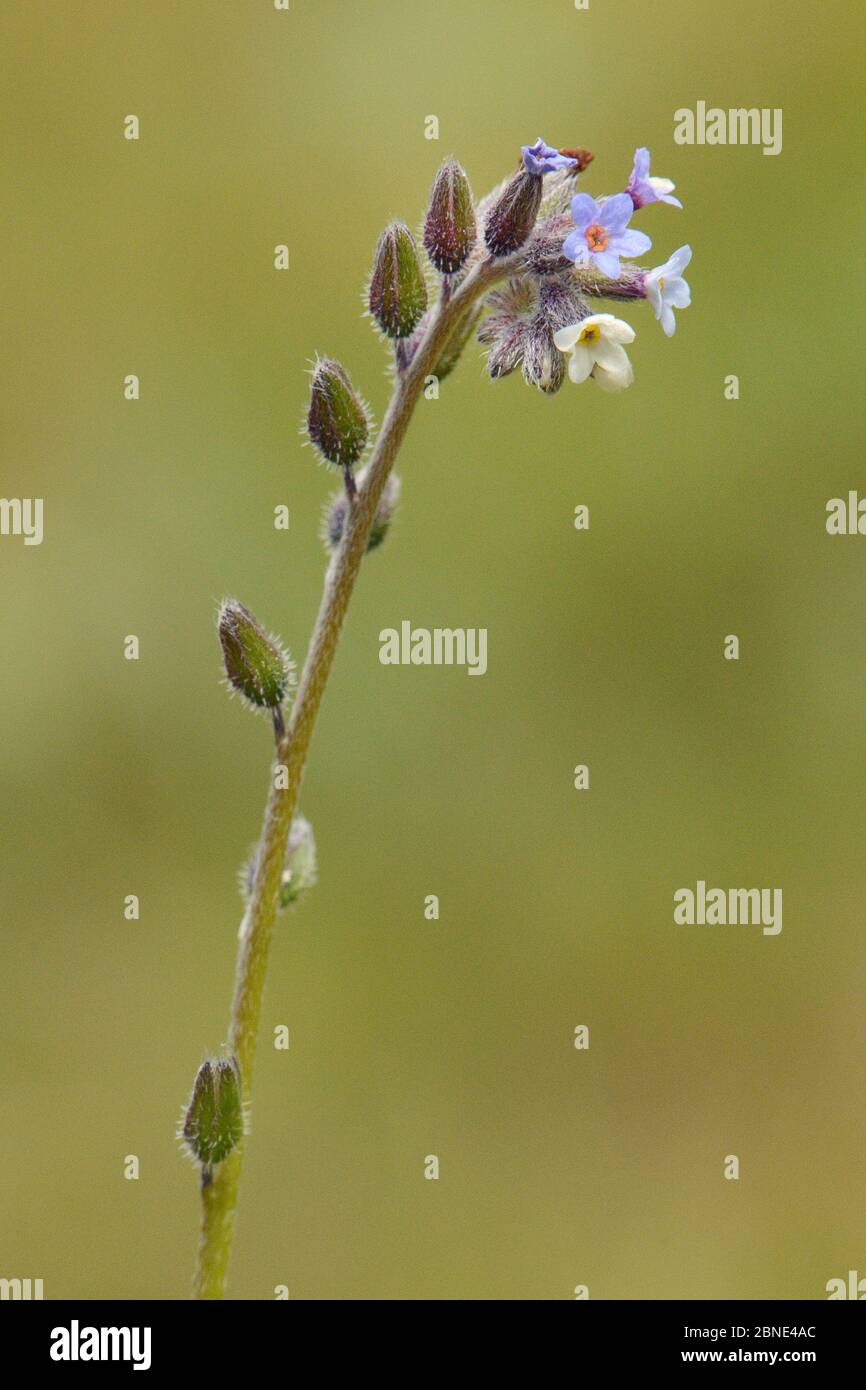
[[605, 647]]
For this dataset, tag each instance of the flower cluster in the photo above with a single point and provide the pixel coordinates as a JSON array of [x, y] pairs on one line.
[[572, 249]]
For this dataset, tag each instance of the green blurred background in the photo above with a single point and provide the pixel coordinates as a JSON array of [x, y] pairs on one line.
[[605, 647]]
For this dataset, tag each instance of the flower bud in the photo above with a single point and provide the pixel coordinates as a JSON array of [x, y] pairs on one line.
[[337, 418], [256, 665], [214, 1121], [506, 353], [299, 866], [334, 520], [544, 365], [449, 232], [398, 292], [512, 217]]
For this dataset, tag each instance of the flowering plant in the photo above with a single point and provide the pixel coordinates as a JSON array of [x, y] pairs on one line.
[[521, 269]]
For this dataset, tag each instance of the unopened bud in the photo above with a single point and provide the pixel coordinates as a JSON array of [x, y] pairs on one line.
[[512, 217], [544, 365], [256, 665], [398, 292], [506, 352], [337, 418], [214, 1121], [299, 866], [334, 521], [449, 232]]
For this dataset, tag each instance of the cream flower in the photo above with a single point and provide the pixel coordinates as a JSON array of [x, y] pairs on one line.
[[666, 289], [596, 349]]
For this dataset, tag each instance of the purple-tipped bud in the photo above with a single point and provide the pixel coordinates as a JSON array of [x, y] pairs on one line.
[[398, 292], [337, 419], [512, 217], [256, 664], [449, 231], [334, 521], [214, 1121]]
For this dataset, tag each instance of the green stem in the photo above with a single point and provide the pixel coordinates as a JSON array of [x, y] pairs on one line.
[[219, 1197]]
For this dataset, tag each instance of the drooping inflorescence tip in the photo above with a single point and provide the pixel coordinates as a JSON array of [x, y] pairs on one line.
[[213, 1123], [299, 866], [449, 230], [398, 290], [256, 665], [337, 420]]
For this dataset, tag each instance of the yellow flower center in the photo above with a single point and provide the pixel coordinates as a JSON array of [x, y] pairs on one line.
[[596, 237], [590, 334], [661, 282]]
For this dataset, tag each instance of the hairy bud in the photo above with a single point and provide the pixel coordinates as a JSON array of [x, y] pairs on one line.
[[337, 418], [449, 231], [256, 665], [398, 292], [512, 216], [214, 1121], [299, 866], [544, 365], [334, 521]]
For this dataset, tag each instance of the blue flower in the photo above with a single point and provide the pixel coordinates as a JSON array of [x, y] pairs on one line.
[[543, 159], [601, 234], [642, 189]]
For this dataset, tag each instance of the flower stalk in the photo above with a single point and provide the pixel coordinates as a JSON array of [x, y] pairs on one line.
[[552, 248], [219, 1196]]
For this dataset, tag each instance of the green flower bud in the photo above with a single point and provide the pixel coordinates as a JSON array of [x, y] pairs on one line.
[[512, 217], [299, 866], [214, 1121], [398, 292], [256, 665], [449, 232], [334, 520], [337, 418]]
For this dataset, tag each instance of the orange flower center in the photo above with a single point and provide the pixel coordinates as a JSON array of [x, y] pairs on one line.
[[596, 237]]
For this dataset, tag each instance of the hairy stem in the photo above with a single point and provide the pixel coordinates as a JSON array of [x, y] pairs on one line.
[[219, 1196]]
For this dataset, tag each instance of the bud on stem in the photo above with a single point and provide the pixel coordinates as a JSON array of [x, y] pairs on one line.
[[512, 217], [214, 1121], [449, 231], [337, 418], [398, 293], [334, 522], [256, 665]]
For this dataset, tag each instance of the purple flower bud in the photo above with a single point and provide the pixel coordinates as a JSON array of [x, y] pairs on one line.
[[398, 292], [512, 217], [449, 232], [337, 418], [542, 158]]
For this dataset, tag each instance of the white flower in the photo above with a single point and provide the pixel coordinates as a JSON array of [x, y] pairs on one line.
[[666, 289], [596, 348]]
